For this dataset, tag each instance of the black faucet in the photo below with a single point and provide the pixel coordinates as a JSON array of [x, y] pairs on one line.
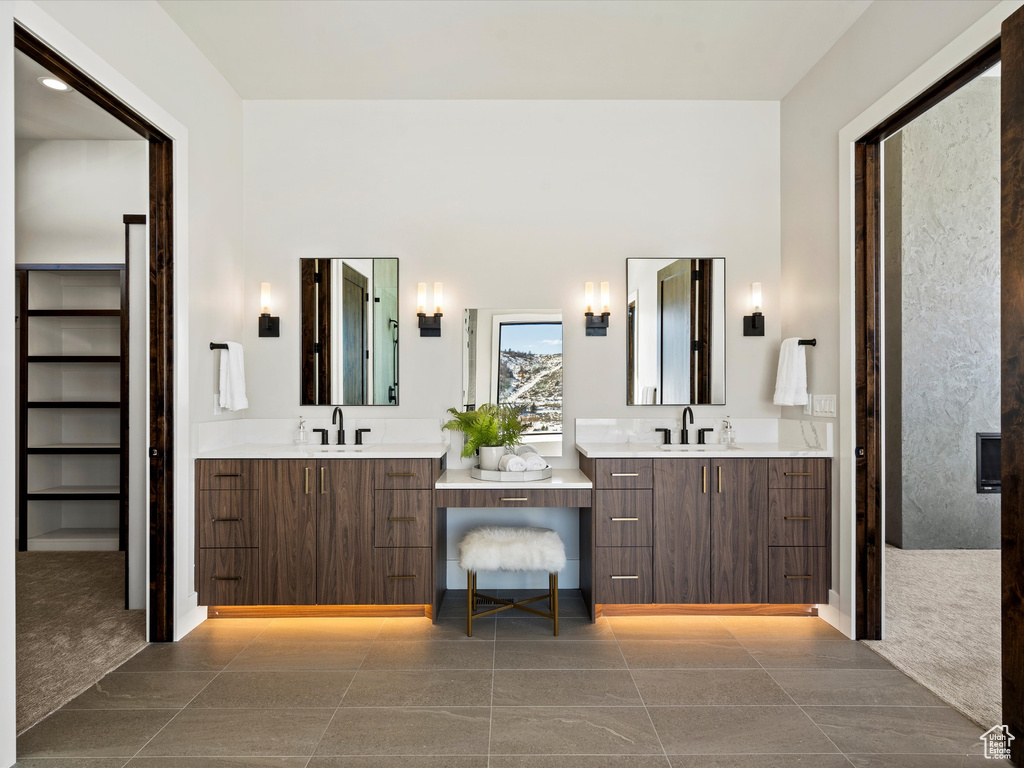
[[359, 435], [666, 435], [323, 436], [702, 435], [341, 427], [684, 436]]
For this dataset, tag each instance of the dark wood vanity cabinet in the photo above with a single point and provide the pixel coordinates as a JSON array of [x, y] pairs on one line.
[[799, 530], [682, 532], [227, 532], [344, 532], [739, 530]]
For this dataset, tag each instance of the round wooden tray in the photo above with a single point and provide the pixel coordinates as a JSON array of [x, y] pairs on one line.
[[509, 477]]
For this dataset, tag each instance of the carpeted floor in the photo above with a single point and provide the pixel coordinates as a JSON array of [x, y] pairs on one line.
[[943, 625], [71, 627]]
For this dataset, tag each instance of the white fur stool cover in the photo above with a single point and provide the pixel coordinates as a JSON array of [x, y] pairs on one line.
[[493, 548]]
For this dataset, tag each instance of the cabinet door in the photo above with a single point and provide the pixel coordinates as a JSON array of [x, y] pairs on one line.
[[739, 530], [288, 533], [682, 531], [344, 543]]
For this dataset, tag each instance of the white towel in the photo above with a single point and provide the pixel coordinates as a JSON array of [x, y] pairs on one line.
[[534, 462], [791, 381], [648, 395], [524, 450], [511, 463], [232, 378]]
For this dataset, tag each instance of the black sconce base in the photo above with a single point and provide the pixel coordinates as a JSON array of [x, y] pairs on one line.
[[597, 325], [270, 326], [430, 325], [753, 325]]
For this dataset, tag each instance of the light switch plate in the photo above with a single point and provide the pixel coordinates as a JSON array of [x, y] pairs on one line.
[[825, 405]]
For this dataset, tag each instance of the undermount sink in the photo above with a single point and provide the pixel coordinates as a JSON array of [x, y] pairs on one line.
[[327, 450], [685, 448]]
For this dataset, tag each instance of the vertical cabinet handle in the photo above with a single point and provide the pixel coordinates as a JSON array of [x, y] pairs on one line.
[[719, 479], [322, 470], [307, 481], [704, 479]]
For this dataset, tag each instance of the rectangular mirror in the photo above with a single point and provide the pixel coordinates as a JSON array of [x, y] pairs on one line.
[[515, 356], [349, 331], [675, 331]]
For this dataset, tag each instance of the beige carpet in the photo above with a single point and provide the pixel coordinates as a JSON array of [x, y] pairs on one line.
[[71, 627], [943, 626]]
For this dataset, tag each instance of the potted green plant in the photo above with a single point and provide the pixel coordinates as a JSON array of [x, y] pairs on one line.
[[491, 430]]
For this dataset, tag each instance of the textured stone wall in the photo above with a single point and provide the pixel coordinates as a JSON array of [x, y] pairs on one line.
[[950, 317]]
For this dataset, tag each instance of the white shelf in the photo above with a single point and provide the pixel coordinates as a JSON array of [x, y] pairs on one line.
[[75, 540]]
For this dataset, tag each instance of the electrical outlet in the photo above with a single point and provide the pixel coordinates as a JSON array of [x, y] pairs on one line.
[[825, 405], [809, 406], [216, 404]]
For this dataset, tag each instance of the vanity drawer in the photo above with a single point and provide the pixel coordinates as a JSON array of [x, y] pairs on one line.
[[402, 518], [403, 575], [623, 575], [798, 473], [623, 473], [798, 574], [228, 577], [229, 518], [403, 474], [798, 518], [623, 518], [227, 474], [513, 497]]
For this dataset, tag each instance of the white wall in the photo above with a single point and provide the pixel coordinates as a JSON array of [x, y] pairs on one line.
[[510, 204], [889, 43]]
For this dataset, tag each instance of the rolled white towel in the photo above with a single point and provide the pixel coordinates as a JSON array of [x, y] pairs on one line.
[[524, 450], [511, 463], [534, 462]]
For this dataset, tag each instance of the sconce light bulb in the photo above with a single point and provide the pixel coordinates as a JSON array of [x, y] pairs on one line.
[[421, 298], [588, 294], [265, 298], [437, 298], [755, 296], [604, 296]]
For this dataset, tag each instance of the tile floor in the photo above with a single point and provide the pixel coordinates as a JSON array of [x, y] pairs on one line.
[[671, 692]]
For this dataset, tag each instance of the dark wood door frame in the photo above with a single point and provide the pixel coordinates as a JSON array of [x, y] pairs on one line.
[[161, 324], [868, 273]]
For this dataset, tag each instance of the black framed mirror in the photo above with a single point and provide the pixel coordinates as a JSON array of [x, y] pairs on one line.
[[349, 331]]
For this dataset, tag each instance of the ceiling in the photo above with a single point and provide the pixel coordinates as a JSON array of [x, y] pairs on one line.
[[42, 113], [514, 49]]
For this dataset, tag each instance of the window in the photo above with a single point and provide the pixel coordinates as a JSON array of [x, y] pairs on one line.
[[530, 373]]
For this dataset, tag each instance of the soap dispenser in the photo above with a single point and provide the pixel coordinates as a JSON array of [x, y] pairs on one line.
[[727, 435], [301, 433]]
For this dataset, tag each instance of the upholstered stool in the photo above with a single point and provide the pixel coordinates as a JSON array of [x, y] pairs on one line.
[[495, 548]]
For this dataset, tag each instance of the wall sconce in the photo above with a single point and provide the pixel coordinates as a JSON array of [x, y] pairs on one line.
[[430, 325], [269, 326], [596, 326], [753, 324]]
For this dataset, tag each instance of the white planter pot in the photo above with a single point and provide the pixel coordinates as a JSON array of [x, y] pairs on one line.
[[489, 457]]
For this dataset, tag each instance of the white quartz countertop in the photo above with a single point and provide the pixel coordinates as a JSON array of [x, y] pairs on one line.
[[712, 451], [560, 478], [313, 451]]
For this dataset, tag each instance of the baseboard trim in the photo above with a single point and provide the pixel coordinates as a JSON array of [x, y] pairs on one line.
[[711, 609], [317, 611]]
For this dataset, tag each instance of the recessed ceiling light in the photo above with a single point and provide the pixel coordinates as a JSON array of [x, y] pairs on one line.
[[54, 84]]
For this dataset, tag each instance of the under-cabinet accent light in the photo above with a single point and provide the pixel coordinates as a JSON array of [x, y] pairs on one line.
[[269, 326], [597, 326], [54, 84], [430, 325], [753, 324]]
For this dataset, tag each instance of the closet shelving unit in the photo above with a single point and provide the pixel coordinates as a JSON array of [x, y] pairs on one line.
[[73, 407]]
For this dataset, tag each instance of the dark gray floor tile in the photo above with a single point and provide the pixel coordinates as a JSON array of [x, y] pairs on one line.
[[407, 731], [572, 731], [814, 654], [918, 761], [780, 628], [407, 761], [423, 630], [565, 688], [340, 654], [537, 628], [854, 687], [218, 762], [93, 733], [420, 688], [240, 733], [702, 687], [557, 654], [142, 690], [227, 631], [759, 761], [401, 654], [321, 630], [898, 730], [71, 762], [579, 761], [668, 628], [728, 730], [687, 654], [183, 657], [292, 689]]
